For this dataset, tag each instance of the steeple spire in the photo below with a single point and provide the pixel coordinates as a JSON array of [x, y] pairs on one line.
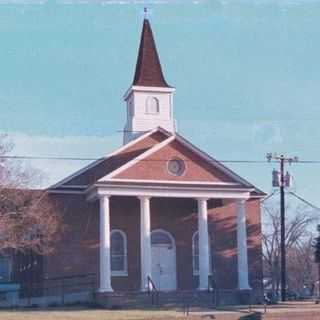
[[148, 69], [149, 99]]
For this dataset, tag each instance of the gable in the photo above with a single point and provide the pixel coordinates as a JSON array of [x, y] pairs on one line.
[[104, 166], [154, 167]]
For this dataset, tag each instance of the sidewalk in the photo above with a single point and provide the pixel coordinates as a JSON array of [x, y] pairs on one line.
[[293, 310]]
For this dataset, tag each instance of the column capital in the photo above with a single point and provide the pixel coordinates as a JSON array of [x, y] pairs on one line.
[[202, 199], [241, 201], [142, 198], [104, 196]]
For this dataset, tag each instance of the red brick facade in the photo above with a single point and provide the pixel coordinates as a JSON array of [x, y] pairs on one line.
[[78, 251], [154, 167]]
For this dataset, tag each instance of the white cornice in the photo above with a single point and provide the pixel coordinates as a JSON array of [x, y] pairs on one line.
[[211, 183], [166, 191], [147, 89]]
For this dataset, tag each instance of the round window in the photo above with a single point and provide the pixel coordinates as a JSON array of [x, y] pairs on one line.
[[176, 166]]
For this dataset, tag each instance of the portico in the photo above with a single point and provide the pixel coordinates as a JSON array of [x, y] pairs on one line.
[[201, 195]]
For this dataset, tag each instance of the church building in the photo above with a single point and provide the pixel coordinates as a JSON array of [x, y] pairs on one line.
[[158, 208]]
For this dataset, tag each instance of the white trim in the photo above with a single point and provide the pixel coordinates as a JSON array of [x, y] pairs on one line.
[[213, 162], [78, 186], [148, 89], [166, 191], [122, 273], [138, 139], [167, 233], [216, 183], [155, 148], [184, 167], [66, 191], [137, 159], [115, 152]]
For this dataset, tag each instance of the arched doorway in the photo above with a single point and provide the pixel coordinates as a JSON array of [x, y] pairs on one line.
[[163, 260]]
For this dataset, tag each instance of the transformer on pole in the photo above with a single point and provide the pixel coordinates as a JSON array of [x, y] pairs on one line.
[[281, 180]]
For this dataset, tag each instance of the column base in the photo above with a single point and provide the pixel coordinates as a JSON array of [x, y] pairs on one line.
[[105, 290], [245, 288], [202, 289]]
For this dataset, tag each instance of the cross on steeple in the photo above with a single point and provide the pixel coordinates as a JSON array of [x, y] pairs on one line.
[[145, 11]]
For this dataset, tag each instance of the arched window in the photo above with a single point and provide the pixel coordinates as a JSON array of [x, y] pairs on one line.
[[161, 238], [152, 105], [118, 253], [195, 254]]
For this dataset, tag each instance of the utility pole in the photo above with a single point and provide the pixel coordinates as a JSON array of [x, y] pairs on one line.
[[316, 246], [282, 180]]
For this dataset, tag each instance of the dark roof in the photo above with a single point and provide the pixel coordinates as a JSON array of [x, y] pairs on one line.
[[104, 166], [148, 69]]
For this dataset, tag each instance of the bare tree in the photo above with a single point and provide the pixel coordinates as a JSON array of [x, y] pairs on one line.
[[302, 273], [29, 219], [300, 267]]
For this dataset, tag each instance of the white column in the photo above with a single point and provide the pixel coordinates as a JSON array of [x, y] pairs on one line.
[[203, 244], [145, 241], [105, 264], [243, 280]]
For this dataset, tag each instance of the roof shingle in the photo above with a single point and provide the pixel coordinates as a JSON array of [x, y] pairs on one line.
[[148, 69]]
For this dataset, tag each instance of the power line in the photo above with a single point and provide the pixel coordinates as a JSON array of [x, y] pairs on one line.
[[23, 157], [147, 160], [304, 201], [47, 158], [270, 195]]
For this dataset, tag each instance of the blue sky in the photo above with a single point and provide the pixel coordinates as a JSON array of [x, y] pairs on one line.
[[247, 76]]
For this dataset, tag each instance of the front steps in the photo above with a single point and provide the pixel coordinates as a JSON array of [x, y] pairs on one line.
[[178, 299], [163, 300]]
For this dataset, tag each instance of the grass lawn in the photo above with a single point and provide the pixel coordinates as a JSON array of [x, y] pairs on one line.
[[282, 311], [85, 314]]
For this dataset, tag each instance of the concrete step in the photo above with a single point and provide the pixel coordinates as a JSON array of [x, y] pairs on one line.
[[176, 299]]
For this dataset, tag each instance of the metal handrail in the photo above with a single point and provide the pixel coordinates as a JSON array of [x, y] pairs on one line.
[[154, 291], [44, 285], [59, 285], [153, 286], [75, 276]]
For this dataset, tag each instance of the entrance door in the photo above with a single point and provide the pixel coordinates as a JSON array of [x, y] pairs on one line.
[[163, 261]]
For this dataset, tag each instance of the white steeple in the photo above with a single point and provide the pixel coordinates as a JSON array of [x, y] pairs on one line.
[[149, 99]]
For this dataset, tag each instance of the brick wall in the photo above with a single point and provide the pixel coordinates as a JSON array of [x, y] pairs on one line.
[[78, 250]]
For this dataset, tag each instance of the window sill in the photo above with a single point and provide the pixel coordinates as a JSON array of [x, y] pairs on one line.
[[119, 274], [196, 274]]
